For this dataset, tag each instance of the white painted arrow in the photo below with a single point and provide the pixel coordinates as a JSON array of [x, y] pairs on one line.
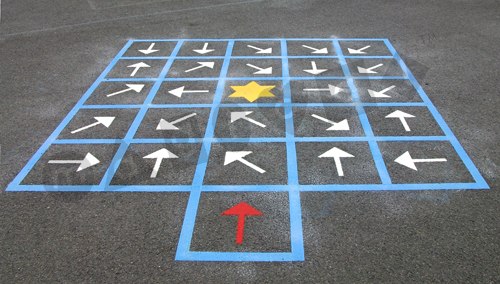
[[104, 120], [314, 69], [87, 162], [402, 116], [260, 50], [369, 70], [204, 50], [380, 94], [179, 91], [130, 87], [149, 50], [407, 161], [159, 156], [315, 50], [341, 125], [237, 115], [165, 125], [136, 67], [334, 90], [202, 64], [261, 71], [336, 154], [238, 156], [358, 51]]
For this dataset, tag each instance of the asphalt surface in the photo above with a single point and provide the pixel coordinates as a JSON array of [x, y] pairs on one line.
[[52, 51]]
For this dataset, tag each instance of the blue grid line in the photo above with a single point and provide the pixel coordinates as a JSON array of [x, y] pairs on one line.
[[260, 78], [255, 57], [257, 39]]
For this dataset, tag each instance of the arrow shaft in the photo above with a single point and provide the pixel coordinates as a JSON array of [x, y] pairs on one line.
[[311, 48], [205, 46], [135, 71], [65, 162], [255, 167], [183, 118], [374, 67], [316, 90], [151, 46], [119, 92], [240, 229], [194, 91], [429, 160], [195, 68], [338, 166], [255, 67], [387, 89], [156, 167], [313, 66], [85, 127], [363, 48], [256, 48], [254, 122], [405, 124], [322, 119]]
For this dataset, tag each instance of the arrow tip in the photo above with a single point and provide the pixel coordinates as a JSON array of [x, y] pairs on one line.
[[165, 125], [105, 120], [342, 125], [135, 87], [207, 64], [177, 91], [232, 156], [399, 114], [242, 208], [161, 154], [335, 152], [334, 90], [406, 160], [87, 162], [321, 51], [235, 115]]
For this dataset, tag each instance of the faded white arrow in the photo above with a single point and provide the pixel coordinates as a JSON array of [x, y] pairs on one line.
[[165, 125], [334, 90], [314, 69], [232, 156], [261, 71], [402, 116], [380, 94], [136, 67], [104, 120], [341, 125], [336, 154], [130, 87], [261, 50], [315, 50], [407, 161], [204, 50], [201, 65], [237, 115], [181, 90], [149, 50], [369, 70], [358, 51], [87, 162], [159, 156]]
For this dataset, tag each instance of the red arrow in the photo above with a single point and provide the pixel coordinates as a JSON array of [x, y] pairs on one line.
[[241, 210]]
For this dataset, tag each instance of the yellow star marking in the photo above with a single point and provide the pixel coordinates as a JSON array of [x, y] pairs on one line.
[[252, 91]]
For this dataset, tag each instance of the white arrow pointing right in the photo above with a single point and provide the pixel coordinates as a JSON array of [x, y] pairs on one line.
[[315, 50], [341, 125], [87, 162], [130, 87], [407, 161], [201, 65], [261, 71], [261, 50], [334, 90], [239, 156], [402, 116], [159, 156], [336, 154], [104, 120]]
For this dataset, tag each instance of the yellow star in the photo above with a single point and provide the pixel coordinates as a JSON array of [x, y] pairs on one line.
[[252, 91]]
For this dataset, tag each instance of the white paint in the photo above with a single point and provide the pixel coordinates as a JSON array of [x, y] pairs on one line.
[[260, 50], [181, 90], [261, 71], [130, 87], [380, 94], [87, 162], [336, 126], [159, 156], [149, 50], [314, 69], [165, 125], [407, 161], [336, 154], [204, 50], [136, 67], [369, 70], [315, 50], [201, 65], [237, 115], [334, 90], [232, 156], [358, 51], [402, 116], [104, 120]]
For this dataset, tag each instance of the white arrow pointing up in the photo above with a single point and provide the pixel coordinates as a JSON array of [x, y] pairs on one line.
[[159, 156], [165, 125], [358, 51], [334, 90], [407, 161], [130, 87], [87, 162], [315, 50], [402, 116], [369, 70], [179, 91], [260, 50], [201, 65], [136, 67], [380, 94], [104, 120], [261, 71], [238, 156], [149, 50], [314, 69], [204, 50], [341, 125], [236, 115], [336, 154]]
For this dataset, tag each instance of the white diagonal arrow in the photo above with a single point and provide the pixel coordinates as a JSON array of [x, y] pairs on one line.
[[87, 162], [336, 154], [407, 161], [341, 125], [380, 94], [201, 65], [358, 51], [236, 115], [104, 120], [159, 156], [261, 71], [179, 91], [204, 50], [232, 156], [402, 116], [314, 69], [136, 67], [369, 70], [165, 125], [334, 90], [261, 50], [130, 87], [149, 50], [315, 50]]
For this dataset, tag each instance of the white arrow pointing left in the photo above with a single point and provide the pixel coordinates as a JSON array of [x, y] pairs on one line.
[[314, 69], [369, 70], [380, 94], [104, 120], [149, 50], [358, 51], [201, 65], [239, 156], [165, 125], [179, 91], [336, 154], [136, 67], [334, 90], [204, 50], [407, 161], [159, 156], [130, 87], [237, 115], [261, 71], [402, 116], [87, 162], [341, 125]]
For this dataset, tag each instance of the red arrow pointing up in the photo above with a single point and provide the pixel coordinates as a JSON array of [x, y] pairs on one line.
[[241, 210]]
